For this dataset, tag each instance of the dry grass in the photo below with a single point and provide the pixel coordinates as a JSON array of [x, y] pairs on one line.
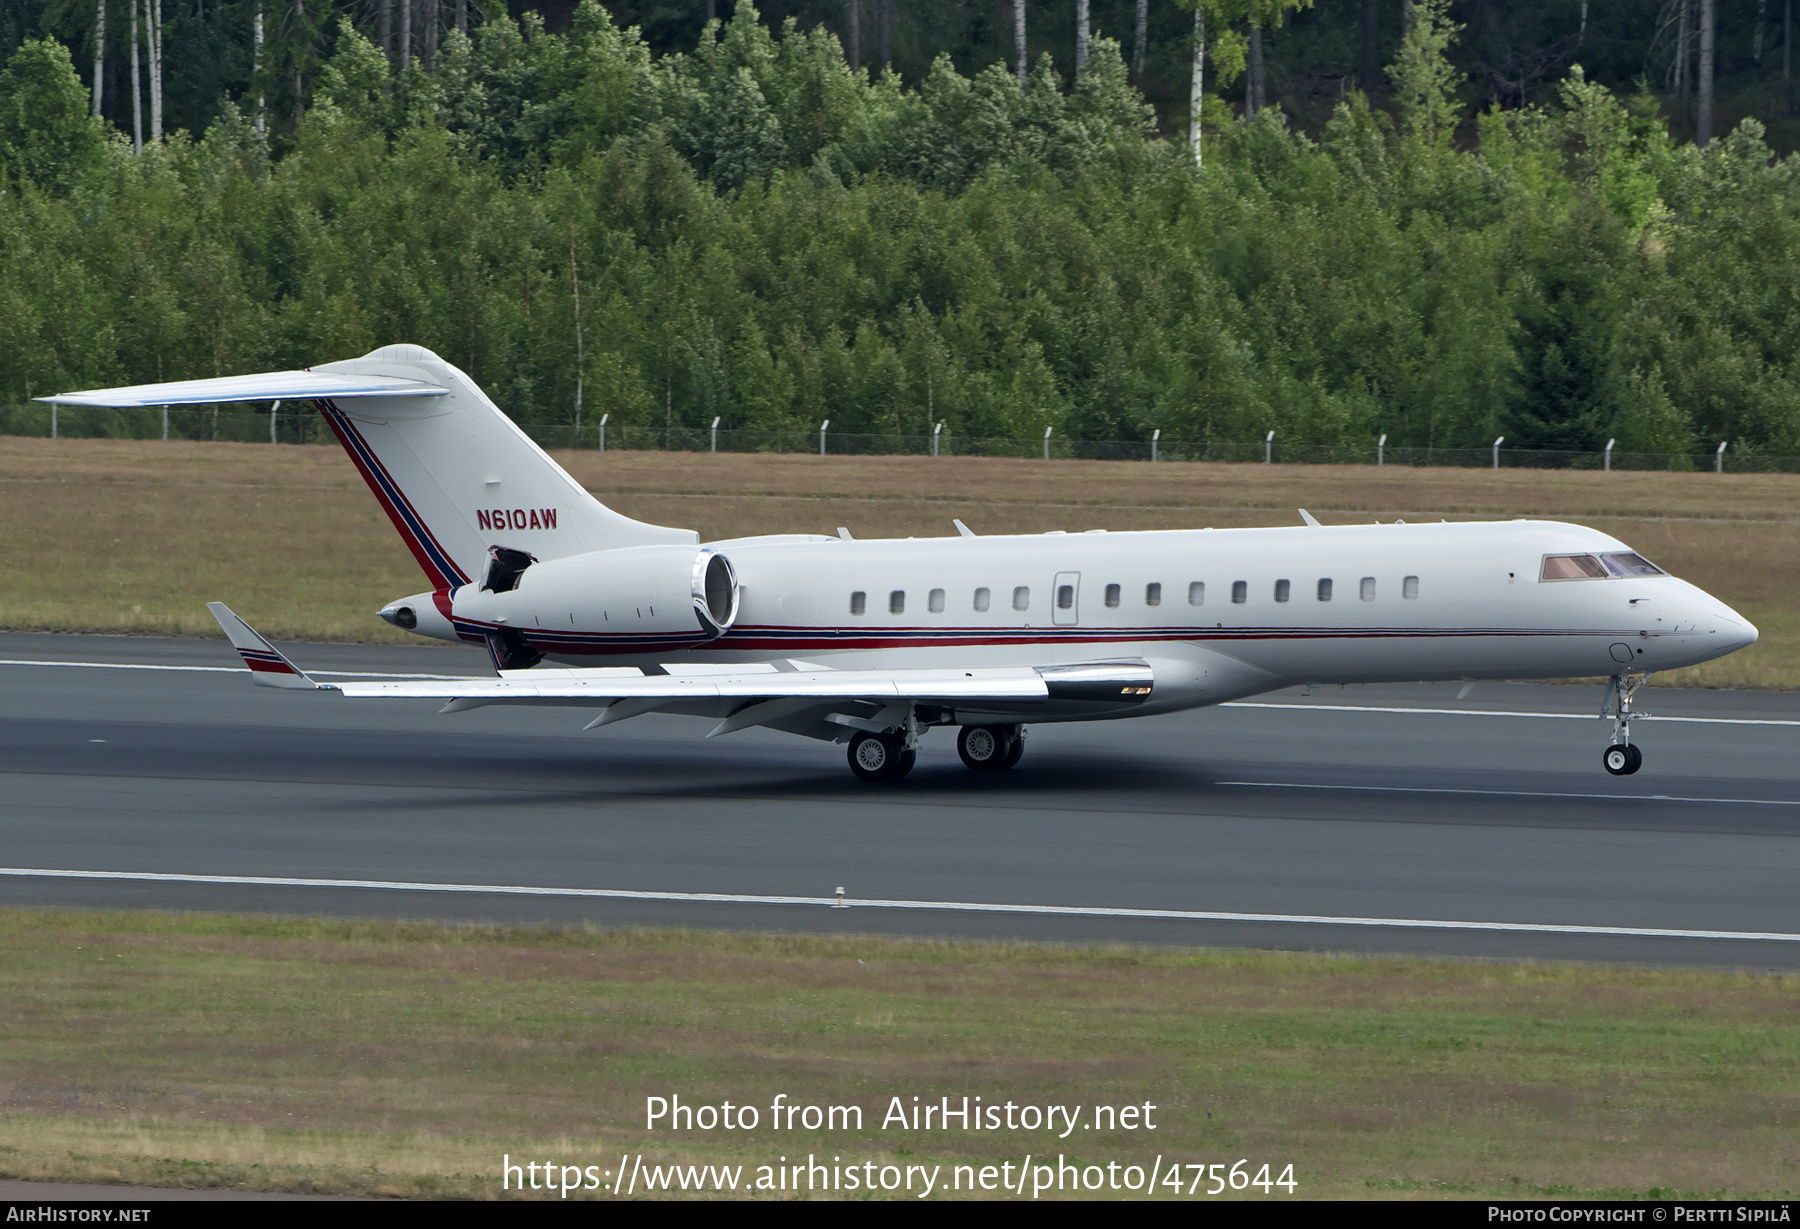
[[402, 1059], [135, 536]]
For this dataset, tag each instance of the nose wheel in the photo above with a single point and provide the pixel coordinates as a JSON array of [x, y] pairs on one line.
[[1622, 759]]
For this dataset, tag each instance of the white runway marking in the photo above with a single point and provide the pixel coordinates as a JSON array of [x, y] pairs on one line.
[[1493, 712], [1512, 793], [130, 665], [1307, 919]]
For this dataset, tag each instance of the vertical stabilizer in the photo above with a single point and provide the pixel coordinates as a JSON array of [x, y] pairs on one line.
[[457, 476]]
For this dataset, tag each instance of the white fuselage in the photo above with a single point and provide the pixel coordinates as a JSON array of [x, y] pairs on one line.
[[1219, 613]]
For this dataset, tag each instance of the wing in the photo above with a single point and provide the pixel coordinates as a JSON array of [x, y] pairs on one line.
[[798, 697]]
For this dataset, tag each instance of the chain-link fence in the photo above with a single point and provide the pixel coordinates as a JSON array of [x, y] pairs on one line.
[[297, 425]]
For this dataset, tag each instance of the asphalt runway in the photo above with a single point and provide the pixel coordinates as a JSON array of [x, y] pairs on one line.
[[1491, 810]]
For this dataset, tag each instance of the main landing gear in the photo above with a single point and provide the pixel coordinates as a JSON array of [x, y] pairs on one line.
[[888, 755], [1622, 759], [990, 748], [881, 757]]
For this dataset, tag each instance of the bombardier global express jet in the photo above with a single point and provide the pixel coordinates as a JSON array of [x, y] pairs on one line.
[[873, 643]]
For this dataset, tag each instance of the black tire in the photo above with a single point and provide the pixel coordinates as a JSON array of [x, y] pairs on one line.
[[1018, 746], [880, 757], [1637, 758], [983, 747], [1621, 759]]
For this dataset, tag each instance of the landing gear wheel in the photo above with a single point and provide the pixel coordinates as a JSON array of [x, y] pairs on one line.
[[987, 748], [1018, 746], [980, 746], [1622, 759], [880, 757]]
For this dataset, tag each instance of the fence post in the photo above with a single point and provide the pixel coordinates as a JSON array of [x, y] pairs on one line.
[[935, 432], [1047, 431], [1497, 444], [1719, 458], [1608, 464], [165, 424], [603, 419], [1269, 448], [273, 407], [715, 433], [1154, 436], [1380, 449], [53, 420], [822, 429]]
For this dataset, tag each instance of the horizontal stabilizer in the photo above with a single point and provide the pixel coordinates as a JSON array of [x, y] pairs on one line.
[[269, 386], [268, 668]]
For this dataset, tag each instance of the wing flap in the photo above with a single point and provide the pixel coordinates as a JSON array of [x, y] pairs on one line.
[[268, 386], [991, 683]]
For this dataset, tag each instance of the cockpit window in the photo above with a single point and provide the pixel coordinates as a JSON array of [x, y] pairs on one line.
[[1597, 567], [1629, 563], [1572, 567]]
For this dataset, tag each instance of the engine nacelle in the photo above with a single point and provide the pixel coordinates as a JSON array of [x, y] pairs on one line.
[[676, 592]]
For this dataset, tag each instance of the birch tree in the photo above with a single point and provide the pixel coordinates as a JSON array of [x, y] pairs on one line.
[[137, 91], [99, 55], [1228, 49], [1081, 35], [153, 22], [1143, 38], [1703, 123], [1019, 40]]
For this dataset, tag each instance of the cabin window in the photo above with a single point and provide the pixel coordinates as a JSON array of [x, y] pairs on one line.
[[897, 602], [1282, 589], [935, 602], [1196, 593], [1409, 588], [859, 602], [1240, 592], [1324, 588], [1112, 595], [1572, 567], [981, 600], [1368, 589], [1022, 598], [1065, 597], [1152, 595]]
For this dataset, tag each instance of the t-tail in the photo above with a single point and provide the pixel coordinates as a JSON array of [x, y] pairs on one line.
[[456, 476]]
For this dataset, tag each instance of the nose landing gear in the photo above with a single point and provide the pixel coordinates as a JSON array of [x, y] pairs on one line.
[[1621, 758]]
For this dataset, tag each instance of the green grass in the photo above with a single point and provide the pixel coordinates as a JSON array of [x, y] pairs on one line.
[[405, 1059]]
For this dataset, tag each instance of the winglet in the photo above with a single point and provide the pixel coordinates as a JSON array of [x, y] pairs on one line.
[[1310, 519], [268, 668]]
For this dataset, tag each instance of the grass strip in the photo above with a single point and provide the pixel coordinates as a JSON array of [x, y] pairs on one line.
[[405, 1059]]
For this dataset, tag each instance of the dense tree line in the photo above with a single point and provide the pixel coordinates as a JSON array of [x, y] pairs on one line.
[[753, 230]]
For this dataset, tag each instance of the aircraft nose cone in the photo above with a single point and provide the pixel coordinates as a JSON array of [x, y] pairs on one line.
[[1733, 631], [1728, 628]]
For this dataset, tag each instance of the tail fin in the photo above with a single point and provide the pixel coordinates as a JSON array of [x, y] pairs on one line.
[[456, 476], [453, 473]]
